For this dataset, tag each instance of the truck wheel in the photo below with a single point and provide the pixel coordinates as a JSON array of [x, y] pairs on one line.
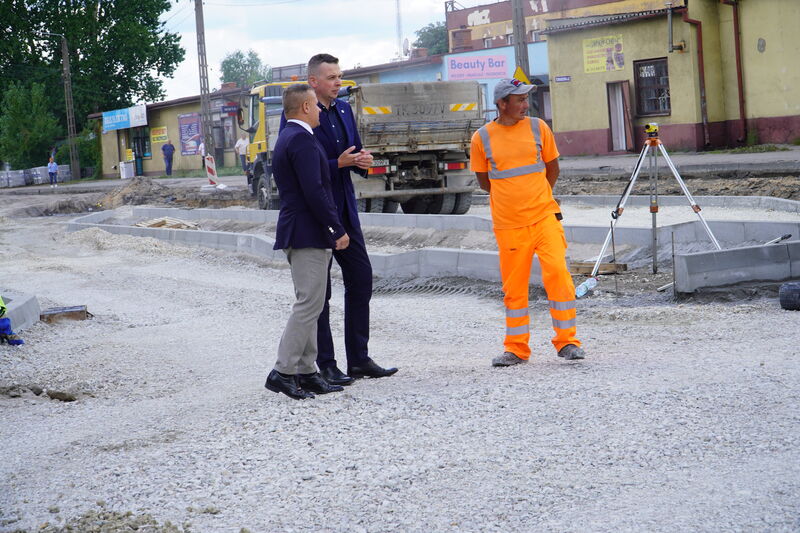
[[362, 204], [390, 206], [415, 206], [789, 295], [463, 203], [262, 193], [266, 199], [442, 204], [376, 205]]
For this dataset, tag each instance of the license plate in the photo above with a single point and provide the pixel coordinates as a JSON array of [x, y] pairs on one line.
[[380, 162]]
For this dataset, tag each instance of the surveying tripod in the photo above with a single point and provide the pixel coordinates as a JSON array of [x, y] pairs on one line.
[[652, 146]]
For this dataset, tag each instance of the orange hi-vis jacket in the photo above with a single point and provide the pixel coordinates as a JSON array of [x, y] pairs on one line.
[[515, 157], [523, 214]]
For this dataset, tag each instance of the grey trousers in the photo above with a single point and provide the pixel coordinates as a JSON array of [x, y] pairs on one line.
[[297, 351]]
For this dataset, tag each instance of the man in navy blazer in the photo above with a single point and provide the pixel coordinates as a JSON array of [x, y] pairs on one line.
[[308, 228], [339, 137]]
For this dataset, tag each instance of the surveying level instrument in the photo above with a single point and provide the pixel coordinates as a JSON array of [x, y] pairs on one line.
[[652, 147]]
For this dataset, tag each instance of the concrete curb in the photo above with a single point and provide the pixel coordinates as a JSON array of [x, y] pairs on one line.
[[776, 262], [427, 262], [23, 309], [694, 272], [625, 170], [767, 203]]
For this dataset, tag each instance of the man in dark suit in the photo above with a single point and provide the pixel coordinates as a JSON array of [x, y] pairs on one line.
[[308, 228], [339, 137]]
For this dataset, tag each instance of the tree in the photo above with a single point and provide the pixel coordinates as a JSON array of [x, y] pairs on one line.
[[119, 50], [27, 126], [244, 69], [433, 37]]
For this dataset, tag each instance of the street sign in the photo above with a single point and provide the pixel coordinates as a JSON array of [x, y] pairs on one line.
[[520, 75]]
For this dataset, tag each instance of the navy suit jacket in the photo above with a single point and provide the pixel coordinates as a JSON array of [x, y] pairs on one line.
[[308, 217], [343, 192]]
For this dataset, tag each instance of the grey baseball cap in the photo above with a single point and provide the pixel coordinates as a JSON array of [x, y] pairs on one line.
[[507, 86]]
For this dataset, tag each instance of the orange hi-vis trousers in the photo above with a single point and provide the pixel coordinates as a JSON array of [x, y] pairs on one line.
[[517, 246]]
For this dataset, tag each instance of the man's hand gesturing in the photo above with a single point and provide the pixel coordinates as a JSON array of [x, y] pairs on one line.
[[364, 160], [348, 158]]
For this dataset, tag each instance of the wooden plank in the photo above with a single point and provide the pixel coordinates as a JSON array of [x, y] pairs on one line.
[[586, 267]]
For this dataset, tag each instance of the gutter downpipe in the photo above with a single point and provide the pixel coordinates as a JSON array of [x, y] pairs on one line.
[[702, 73], [737, 41]]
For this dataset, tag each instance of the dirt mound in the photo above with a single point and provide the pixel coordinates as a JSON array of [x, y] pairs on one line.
[[137, 191], [65, 206], [142, 190], [97, 239], [787, 187]]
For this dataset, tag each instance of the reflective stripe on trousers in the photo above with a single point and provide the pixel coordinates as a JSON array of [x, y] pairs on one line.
[[496, 174], [516, 249]]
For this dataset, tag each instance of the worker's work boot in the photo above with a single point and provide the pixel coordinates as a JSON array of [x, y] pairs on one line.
[[570, 351], [507, 359]]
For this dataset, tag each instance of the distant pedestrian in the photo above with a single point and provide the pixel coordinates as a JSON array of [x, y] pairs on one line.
[[202, 151], [52, 170], [168, 150], [241, 149]]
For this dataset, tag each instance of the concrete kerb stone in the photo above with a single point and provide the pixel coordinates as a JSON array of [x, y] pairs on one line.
[[727, 267], [794, 258], [692, 270], [22, 309], [749, 202]]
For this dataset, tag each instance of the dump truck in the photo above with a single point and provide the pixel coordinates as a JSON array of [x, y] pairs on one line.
[[419, 134]]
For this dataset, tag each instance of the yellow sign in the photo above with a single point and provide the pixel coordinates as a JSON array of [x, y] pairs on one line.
[[158, 135], [518, 74], [603, 54], [128, 155]]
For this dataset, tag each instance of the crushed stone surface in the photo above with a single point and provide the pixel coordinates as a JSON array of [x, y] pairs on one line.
[[683, 417]]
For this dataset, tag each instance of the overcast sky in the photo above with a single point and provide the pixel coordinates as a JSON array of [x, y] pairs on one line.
[[285, 32]]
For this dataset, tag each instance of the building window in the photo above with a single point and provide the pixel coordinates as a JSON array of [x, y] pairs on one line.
[[535, 36], [487, 42], [509, 38], [652, 87]]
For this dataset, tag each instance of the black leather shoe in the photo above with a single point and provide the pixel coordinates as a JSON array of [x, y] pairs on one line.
[[316, 383], [334, 376], [277, 382], [370, 369]]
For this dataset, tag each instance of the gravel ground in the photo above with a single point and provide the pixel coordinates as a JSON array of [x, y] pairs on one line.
[[683, 417]]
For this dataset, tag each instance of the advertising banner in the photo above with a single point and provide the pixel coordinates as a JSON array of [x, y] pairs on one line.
[[158, 135], [189, 127], [477, 67], [603, 54], [120, 119]]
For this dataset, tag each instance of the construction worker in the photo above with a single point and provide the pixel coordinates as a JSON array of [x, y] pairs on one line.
[[516, 161]]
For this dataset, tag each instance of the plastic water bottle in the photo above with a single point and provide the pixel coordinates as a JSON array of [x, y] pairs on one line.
[[586, 286]]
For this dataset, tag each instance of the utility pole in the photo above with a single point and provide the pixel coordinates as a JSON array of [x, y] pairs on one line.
[[399, 30], [205, 100], [521, 48], [74, 160]]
